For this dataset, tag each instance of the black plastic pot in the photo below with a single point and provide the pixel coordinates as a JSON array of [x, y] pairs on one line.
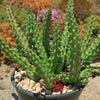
[[26, 95]]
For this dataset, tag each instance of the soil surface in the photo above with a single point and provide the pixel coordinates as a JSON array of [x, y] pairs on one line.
[[8, 92]]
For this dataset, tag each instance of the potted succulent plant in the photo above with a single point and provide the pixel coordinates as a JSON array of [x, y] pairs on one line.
[[65, 62]]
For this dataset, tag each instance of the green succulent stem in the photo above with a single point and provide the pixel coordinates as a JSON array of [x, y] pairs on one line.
[[46, 32], [74, 51], [54, 54], [87, 37], [19, 35], [34, 36], [93, 50], [22, 61]]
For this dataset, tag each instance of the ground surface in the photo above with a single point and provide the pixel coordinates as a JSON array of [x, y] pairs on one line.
[[7, 91]]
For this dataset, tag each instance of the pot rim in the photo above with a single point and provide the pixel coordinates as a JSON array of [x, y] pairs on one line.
[[38, 95]]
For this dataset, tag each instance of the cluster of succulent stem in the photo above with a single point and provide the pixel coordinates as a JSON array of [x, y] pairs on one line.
[[44, 61]]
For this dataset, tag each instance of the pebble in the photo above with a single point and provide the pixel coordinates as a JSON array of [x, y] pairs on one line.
[[54, 93], [37, 85], [34, 88], [25, 87], [70, 90], [22, 72], [30, 89], [32, 83], [26, 81], [20, 84], [43, 93], [31, 86], [34, 91], [16, 80], [18, 75], [38, 89], [64, 89]]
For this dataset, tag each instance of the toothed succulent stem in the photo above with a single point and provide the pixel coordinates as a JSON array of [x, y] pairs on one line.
[[22, 61], [54, 55], [46, 32], [62, 76], [70, 5], [21, 40], [92, 50], [87, 37], [30, 27], [63, 48], [35, 37], [74, 51]]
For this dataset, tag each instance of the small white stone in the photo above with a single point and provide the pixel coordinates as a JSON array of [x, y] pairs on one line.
[[54, 93], [37, 85], [34, 91], [22, 72], [43, 93], [20, 84], [70, 90], [38, 89], [16, 80], [17, 75], [64, 89], [25, 87], [26, 81], [16, 72], [30, 89], [33, 88], [32, 83]]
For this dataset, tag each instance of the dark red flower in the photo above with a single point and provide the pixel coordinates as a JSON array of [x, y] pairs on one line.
[[58, 86]]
